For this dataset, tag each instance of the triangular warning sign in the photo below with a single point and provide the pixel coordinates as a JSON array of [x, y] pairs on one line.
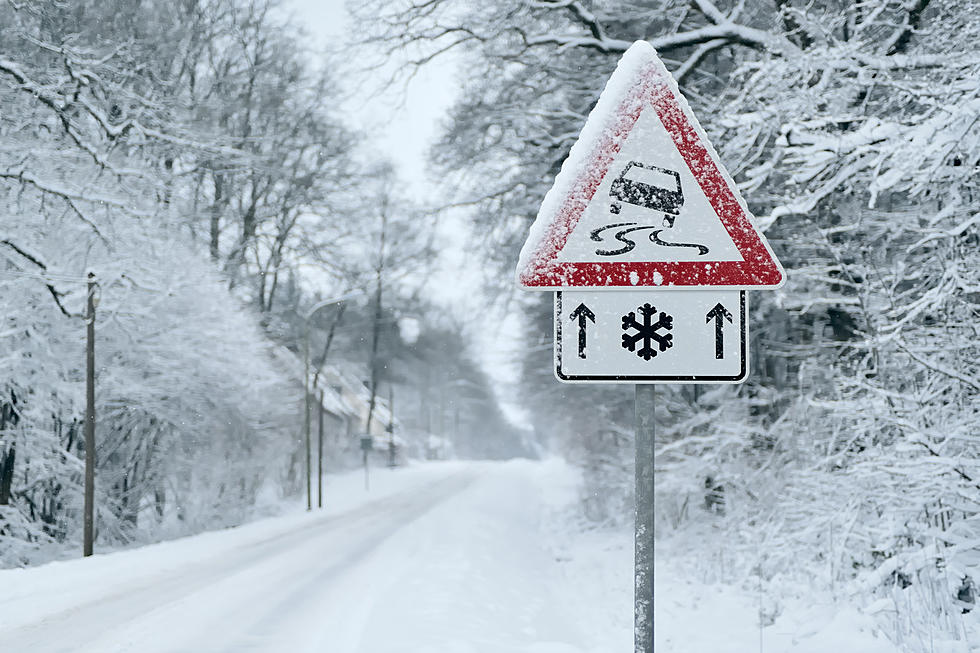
[[642, 199]]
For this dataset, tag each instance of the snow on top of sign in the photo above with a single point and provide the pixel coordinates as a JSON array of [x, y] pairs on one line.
[[582, 158], [606, 131]]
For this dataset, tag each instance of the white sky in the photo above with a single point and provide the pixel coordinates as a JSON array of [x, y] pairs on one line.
[[402, 124]]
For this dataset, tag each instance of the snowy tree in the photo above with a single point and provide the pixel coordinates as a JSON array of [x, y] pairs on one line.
[[852, 131], [270, 193], [103, 141]]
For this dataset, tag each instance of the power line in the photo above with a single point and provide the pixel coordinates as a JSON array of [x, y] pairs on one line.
[[44, 276]]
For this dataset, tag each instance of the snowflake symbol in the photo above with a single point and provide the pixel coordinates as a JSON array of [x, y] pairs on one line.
[[647, 332]]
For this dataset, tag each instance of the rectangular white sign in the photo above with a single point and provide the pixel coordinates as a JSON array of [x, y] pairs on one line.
[[651, 336]]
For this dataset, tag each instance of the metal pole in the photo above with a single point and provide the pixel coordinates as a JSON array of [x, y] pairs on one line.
[[643, 528], [89, 507], [306, 387], [319, 453], [367, 482], [306, 413]]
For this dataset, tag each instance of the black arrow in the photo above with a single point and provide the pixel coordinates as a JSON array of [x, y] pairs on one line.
[[719, 314], [582, 313]]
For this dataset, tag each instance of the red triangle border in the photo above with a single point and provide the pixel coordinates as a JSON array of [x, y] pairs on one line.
[[759, 268]]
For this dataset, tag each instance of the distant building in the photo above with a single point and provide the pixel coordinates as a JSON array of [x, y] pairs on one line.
[[346, 402]]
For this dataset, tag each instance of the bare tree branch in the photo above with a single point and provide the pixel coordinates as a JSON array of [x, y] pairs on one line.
[[898, 41], [51, 289]]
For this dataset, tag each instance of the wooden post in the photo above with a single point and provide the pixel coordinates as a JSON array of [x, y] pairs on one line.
[[88, 535]]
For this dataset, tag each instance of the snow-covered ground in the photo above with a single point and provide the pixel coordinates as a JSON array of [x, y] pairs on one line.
[[690, 616], [436, 558]]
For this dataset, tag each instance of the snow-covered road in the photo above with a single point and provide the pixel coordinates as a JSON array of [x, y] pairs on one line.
[[436, 558], [450, 563]]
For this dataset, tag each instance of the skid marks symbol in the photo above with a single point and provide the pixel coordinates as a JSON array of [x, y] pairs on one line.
[[622, 236], [647, 332], [655, 239]]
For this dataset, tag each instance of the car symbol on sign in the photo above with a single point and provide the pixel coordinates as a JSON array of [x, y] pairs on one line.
[[650, 187]]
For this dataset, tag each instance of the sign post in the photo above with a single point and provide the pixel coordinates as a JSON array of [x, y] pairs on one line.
[[650, 249], [644, 517]]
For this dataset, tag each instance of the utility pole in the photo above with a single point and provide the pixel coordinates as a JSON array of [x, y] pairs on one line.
[[306, 386], [643, 526], [306, 415], [89, 507], [391, 426], [319, 453]]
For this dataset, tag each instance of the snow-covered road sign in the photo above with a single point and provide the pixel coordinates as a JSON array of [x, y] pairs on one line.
[[643, 201], [650, 336]]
